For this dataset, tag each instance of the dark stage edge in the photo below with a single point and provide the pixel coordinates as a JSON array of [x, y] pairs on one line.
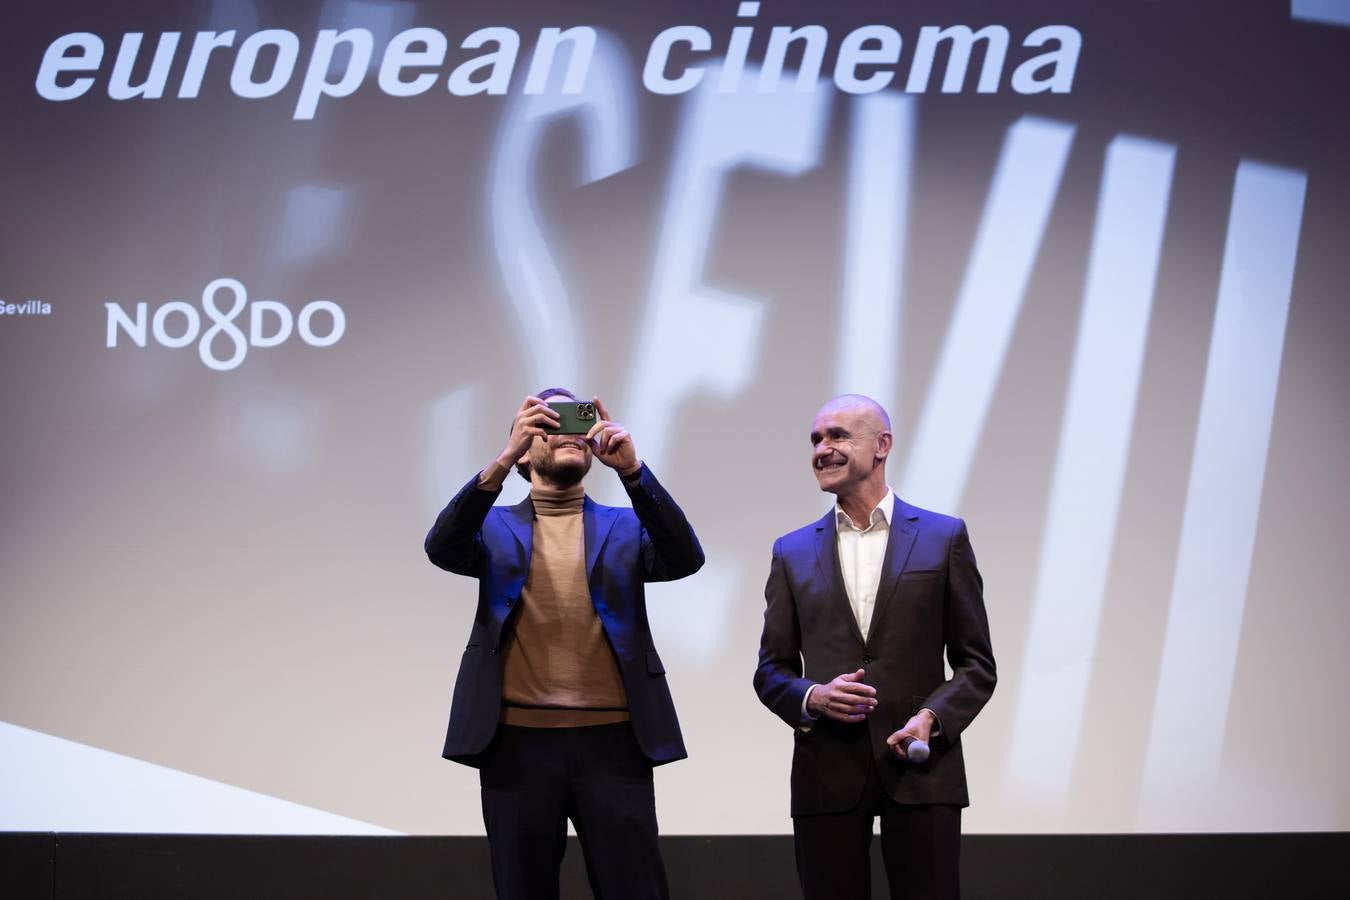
[[1008, 867]]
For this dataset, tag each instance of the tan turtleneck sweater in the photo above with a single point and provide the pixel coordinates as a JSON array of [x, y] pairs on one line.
[[560, 671]]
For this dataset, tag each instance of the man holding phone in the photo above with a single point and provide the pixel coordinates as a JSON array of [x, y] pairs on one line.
[[561, 700]]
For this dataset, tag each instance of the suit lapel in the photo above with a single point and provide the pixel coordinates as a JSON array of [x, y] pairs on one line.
[[520, 518], [827, 558], [901, 541], [596, 520]]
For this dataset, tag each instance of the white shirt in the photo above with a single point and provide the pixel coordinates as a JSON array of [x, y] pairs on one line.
[[862, 551], [861, 554]]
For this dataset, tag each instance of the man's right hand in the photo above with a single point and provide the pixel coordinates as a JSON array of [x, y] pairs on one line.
[[846, 699], [534, 418]]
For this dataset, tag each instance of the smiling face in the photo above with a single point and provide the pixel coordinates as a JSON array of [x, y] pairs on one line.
[[850, 440], [559, 459]]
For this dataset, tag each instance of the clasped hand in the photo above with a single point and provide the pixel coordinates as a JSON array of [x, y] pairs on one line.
[[845, 699], [848, 699]]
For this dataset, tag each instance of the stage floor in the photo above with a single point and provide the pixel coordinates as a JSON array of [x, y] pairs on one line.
[[1006, 867]]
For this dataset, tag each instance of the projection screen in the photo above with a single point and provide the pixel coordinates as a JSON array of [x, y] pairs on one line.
[[277, 275]]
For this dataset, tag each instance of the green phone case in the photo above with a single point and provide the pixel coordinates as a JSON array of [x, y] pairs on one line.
[[576, 417]]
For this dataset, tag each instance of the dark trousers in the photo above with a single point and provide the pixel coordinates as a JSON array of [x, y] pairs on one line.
[[535, 779], [920, 846]]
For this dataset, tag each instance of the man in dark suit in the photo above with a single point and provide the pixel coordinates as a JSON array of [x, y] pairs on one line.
[[561, 700], [861, 605]]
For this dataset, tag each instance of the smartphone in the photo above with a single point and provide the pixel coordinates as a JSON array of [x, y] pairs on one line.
[[575, 417]]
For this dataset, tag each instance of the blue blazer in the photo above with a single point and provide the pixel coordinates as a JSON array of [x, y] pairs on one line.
[[625, 548], [929, 600]]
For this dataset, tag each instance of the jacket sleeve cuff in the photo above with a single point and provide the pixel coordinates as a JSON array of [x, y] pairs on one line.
[[492, 477], [808, 720]]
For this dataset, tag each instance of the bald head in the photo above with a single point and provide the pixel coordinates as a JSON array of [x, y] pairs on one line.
[[850, 440], [860, 404]]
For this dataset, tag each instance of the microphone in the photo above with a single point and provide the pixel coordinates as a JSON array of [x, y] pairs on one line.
[[916, 751]]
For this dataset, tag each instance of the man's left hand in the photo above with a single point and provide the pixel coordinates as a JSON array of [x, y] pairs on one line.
[[612, 444], [920, 727]]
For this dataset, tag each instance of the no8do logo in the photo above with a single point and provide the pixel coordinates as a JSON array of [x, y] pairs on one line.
[[270, 323]]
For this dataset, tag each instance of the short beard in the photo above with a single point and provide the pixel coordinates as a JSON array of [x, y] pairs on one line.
[[563, 475]]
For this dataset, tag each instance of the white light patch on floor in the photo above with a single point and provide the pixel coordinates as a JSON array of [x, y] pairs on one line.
[[48, 783], [1327, 12]]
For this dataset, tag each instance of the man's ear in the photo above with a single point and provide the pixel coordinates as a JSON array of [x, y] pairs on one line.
[[885, 440]]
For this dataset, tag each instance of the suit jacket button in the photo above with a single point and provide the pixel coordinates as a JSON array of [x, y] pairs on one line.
[[492, 650], [866, 660]]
